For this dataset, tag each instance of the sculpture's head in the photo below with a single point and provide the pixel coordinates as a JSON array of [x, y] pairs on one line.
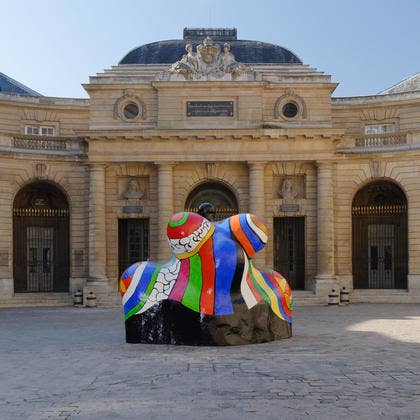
[[187, 233]]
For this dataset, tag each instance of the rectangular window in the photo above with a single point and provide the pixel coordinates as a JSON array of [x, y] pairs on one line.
[[32, 130], [47, 131], [37, 130], [380, 128]]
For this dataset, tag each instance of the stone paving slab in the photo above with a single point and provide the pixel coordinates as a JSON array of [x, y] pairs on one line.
[[359, 361]]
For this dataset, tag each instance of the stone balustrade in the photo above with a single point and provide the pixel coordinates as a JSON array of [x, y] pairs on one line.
[[381, 140], [42, 144]]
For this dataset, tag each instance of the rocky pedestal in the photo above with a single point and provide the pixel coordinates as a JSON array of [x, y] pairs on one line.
[[172, 323]]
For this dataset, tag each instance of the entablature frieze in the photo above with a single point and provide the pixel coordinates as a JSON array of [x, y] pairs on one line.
[[225, 134]]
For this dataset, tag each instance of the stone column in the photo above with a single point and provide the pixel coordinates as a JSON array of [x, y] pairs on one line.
[[257, 199], [165, 207], [325, 279], [97, 226]]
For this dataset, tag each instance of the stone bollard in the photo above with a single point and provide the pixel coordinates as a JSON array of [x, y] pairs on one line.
[[344, 296], [333, 298], [78, 298], [91, 300]]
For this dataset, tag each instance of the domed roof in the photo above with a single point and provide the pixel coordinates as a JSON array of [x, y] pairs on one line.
[[252, 52]]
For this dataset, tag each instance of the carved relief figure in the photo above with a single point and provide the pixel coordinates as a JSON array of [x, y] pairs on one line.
[[228, 61], [188, 64], [133, 190], [207, 61]]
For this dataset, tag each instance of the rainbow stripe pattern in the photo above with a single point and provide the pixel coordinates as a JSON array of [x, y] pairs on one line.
[[207, 258], [268, 285]]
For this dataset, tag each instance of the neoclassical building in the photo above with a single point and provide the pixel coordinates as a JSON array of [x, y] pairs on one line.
[[87, 185]]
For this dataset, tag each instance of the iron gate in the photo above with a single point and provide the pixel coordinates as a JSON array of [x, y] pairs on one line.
[[41, 250], [380, 256], [220, 212], [289, 249], [133, 239]]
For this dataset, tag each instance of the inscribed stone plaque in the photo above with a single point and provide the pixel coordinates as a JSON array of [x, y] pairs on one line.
[[210, 108], [132, 209], [289, 207]]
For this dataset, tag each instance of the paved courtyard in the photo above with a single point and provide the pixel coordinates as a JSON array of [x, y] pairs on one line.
[[360, 361]]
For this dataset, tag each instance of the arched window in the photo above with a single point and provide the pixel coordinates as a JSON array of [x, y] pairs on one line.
[[379, 219], [41, 260]]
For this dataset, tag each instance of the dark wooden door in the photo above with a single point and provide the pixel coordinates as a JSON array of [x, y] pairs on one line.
[[133, 238], [289, 249]]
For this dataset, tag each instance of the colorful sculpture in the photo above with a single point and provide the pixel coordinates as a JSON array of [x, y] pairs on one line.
[[210, 270]]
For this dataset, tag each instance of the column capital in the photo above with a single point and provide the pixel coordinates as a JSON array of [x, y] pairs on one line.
[[324, 163], [162, 165], [96, 166], [254, 164]]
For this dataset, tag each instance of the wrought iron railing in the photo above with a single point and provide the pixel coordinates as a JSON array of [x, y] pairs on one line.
[[379, 210], [221, 213], [36, 212]]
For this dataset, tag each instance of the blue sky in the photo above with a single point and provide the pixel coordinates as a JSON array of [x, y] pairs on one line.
[[54, 46]]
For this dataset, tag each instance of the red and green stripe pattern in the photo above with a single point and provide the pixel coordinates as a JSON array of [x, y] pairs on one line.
[[205, 279]]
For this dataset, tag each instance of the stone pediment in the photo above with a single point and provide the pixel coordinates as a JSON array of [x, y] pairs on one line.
[[208, 63]]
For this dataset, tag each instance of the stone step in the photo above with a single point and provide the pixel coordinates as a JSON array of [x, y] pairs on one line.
[[306, 298], [381, 296], [37, 299], [108, 299]]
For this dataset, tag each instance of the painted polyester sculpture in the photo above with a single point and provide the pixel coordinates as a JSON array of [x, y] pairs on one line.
[[210, 262]]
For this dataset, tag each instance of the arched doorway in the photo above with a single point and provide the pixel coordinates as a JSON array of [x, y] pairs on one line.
[[380, 249], [41, 260], [216, 193]]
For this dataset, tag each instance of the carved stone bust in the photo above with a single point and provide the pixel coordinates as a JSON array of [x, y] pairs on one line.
[[288, 190], [133, 190]]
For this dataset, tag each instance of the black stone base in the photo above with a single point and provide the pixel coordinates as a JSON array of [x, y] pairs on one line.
[[172, 323]]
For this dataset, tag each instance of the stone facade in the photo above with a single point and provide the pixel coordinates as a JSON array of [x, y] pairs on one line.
[[310, 165]]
